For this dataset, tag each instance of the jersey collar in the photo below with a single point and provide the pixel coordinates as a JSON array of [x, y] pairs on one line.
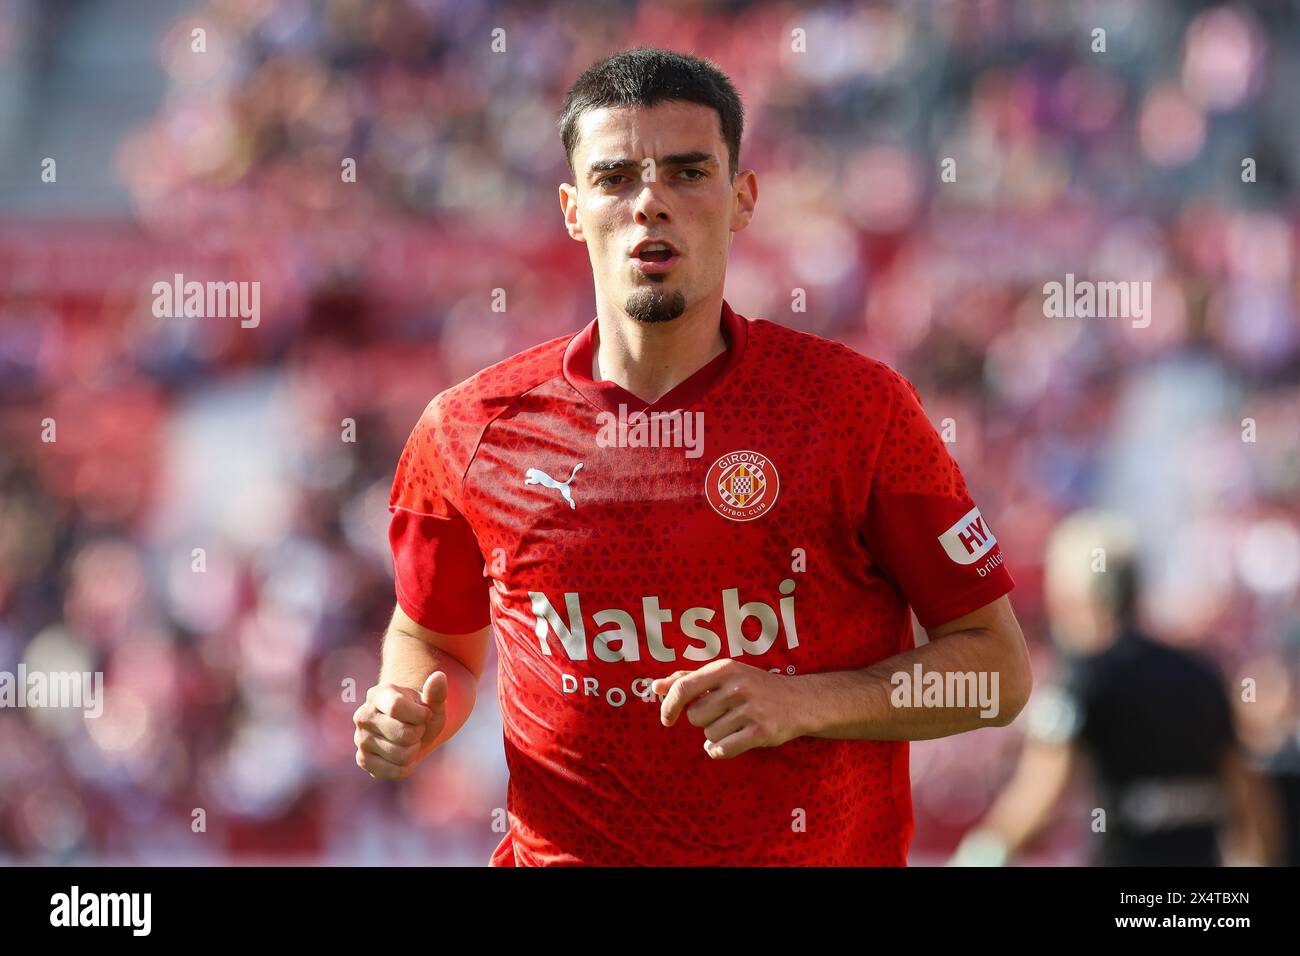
[[608, 395]]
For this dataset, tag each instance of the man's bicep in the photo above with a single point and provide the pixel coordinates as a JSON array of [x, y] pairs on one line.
[[469, 649], [996, 616]]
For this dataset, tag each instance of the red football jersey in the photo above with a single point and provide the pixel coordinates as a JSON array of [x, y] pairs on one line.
[[787, 515]]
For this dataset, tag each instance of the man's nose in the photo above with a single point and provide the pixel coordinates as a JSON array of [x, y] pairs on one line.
[[650, 204]]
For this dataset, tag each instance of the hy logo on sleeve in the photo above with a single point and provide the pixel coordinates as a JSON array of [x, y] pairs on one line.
[[969, 539], [535, 476]]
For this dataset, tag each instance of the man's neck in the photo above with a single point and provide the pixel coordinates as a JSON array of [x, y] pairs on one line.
[[651, 360]]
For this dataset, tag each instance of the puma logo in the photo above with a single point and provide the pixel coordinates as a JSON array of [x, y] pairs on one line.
[[535, 476]]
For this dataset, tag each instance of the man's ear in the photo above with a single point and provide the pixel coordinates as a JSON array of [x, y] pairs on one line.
[[569, 204], [745, 196]]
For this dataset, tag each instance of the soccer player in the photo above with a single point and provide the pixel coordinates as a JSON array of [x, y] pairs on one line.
[[696, 537]]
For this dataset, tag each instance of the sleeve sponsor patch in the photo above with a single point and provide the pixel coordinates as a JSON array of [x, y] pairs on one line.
[[969, 539]]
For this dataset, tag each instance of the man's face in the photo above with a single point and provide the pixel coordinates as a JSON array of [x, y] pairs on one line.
[[655, 174]]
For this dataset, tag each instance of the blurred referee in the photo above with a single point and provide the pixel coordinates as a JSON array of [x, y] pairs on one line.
[[1151, 722]]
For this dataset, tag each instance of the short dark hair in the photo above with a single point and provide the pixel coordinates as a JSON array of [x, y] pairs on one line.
[[645, 76]]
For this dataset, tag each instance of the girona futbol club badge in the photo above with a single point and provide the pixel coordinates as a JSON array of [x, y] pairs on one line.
[[742, 485]]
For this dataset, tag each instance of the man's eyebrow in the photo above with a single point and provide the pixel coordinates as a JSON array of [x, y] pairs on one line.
[[696, 158], [609, 165]]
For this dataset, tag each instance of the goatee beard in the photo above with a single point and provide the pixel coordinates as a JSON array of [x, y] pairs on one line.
[[655, 305]]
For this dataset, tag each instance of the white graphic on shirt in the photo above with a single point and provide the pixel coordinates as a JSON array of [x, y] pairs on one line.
[[969, 539], [535, 476]]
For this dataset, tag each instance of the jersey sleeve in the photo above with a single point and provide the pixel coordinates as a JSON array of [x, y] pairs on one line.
[[437, 564], [922, 528]]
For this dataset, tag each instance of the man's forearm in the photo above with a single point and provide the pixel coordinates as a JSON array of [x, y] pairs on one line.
[[859, 704], [407, 661]]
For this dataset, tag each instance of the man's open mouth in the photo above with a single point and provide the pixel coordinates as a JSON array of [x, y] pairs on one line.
[[654, 251]]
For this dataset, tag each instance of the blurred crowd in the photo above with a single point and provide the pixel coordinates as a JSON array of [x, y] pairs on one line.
[[208, 527]]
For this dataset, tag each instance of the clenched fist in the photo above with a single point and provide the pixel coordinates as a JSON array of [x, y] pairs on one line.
[[395, 726]]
